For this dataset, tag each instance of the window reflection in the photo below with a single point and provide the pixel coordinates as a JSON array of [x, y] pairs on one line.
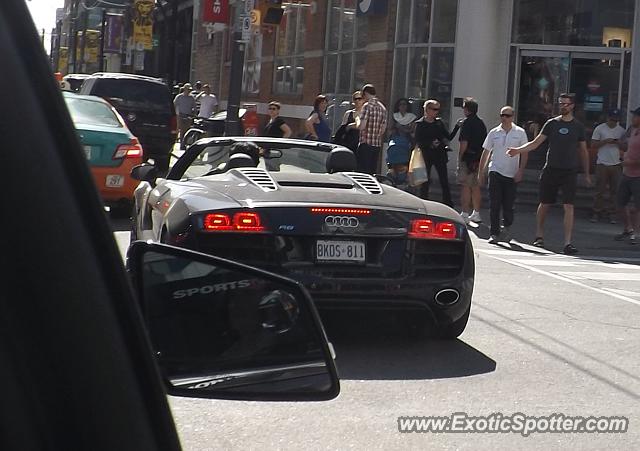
[[567, 22]]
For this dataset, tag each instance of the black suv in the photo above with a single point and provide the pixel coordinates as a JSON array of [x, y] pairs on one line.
[[146, 104]]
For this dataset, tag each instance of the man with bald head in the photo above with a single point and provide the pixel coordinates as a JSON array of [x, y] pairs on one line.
[[504, 172]]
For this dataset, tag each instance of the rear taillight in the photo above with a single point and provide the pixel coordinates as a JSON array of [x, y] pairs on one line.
[[430, 229], [173, 124], [131, 150], [238, 222]]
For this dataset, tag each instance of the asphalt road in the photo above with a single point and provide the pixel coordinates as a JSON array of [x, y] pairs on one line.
[[547, 334]]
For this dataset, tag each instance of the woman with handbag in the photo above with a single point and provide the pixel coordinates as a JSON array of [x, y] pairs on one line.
[[348, 134], [432, 138]]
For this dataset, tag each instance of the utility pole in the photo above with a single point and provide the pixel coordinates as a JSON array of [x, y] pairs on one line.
[[232, 125]]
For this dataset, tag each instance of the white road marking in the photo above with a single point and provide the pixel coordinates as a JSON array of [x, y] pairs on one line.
[[599, 275], [623, 292], [568, 280]]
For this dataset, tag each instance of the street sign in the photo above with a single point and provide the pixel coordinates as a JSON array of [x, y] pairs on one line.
[[246, 28]]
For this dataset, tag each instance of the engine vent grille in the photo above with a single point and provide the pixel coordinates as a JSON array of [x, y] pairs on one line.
[[365, 181], [259, 177]]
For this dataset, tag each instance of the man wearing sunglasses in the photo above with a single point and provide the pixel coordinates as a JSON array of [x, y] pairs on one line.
[[504, 172], [566, 137]]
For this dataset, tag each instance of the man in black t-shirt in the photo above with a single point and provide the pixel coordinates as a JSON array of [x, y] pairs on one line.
[[472, 136], [565, 136]]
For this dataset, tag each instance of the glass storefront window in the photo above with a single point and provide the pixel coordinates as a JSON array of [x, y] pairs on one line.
[[290, 45], [346, 42], [445, 14], [423, 70], [602, 23], [441, 76], [253, 64]]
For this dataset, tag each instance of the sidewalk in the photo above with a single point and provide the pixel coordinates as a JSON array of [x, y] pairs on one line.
[[591, 239]]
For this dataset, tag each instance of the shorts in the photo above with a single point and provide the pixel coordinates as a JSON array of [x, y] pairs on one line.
[[466, 177], [629, 187], [552, 180]]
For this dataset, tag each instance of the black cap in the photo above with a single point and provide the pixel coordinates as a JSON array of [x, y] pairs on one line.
[[614, 113], [636, 111]]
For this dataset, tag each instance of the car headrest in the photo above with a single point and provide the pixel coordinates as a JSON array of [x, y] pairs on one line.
[[341, 160], [240, 160]]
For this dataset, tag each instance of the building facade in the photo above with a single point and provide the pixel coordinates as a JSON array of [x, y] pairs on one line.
[[518, 52]]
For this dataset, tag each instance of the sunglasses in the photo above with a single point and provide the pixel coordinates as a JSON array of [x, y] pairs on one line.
[[564, 104], [434, 109], [273, 108], [506, 115], [358, 98]]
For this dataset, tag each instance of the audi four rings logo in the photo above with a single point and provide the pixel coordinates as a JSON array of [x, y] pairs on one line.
[[342, 221]]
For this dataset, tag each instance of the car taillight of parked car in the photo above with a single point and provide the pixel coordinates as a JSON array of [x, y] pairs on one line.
[[131, 150], [243, 221], [430, 229]]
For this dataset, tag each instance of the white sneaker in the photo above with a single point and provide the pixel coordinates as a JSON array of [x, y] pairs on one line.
[[465, 216], [475, 217], [505, 235]]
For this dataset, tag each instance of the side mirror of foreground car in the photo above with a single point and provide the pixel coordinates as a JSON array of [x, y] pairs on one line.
[[144, 172], [224, 330]]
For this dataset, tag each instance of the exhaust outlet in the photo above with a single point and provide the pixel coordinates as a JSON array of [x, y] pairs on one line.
[[447, 297]]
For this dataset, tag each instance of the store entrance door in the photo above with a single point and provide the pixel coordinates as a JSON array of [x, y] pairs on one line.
[[596, 79]]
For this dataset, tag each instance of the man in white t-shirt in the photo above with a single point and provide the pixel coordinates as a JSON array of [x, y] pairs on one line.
[[208, 102], [606, 140], [504, 172]]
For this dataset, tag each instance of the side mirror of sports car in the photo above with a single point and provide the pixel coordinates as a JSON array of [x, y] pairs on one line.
[[144, 172], [224, 330]]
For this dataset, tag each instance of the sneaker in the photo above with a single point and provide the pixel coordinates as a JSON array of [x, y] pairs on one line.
[[538, 242], [613, 220], [494, 239], [505, 235], [475, 217], [465, 216], [623, 236], [632, 239], [570, 249], [594, 217]]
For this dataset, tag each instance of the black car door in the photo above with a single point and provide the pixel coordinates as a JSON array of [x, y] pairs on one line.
[[76, 368]]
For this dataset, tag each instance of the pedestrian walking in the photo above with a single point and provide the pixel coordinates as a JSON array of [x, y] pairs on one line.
[[276, 127], [208, 102], [566, 137], [184, 104], [606, 141], [472, 135], [317, 126], [348, 134], [373, 126], [629, 187], [433, 137], [504, 173]]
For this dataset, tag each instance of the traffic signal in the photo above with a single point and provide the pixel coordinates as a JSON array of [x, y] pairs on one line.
[[271, 11]]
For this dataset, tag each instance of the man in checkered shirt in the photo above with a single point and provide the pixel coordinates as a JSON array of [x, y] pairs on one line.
[[373, 125]]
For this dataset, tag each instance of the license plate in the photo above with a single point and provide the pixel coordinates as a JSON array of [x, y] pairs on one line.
[[114, 181], [87, 152], [340, 251]]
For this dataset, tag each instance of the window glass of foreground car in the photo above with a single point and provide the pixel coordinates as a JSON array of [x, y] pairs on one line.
[[78, 370], [225, 330]]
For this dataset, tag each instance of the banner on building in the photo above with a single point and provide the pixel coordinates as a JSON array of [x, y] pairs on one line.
[[215, 11], [63, 60], [113, 31], [91, 46], [143, 23]]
